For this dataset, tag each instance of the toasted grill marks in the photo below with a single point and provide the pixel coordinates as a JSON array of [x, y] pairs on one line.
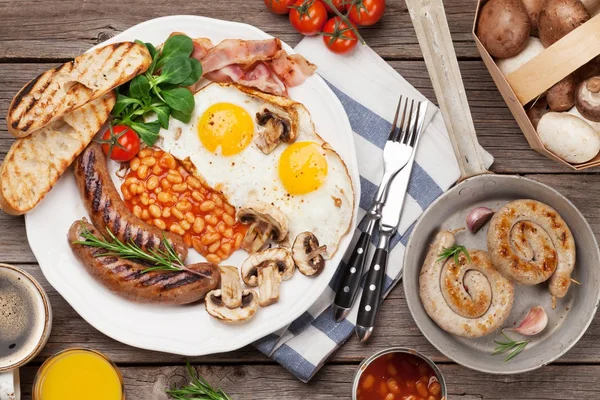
[[35, 163], [127, 278], [108, 212], [74, 84]]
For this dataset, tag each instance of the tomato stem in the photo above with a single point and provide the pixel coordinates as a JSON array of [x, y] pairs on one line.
[[338, 33], [112, 141], [304, 8], [345, 19]]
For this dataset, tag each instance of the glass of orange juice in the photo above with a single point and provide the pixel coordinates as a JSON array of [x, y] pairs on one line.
[[78, 374]]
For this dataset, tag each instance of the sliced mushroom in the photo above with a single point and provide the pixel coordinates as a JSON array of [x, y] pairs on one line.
[[216, 307], [276, 128], [266, 269], [587, 98], [307, 254], [266, 222], [231, 286]]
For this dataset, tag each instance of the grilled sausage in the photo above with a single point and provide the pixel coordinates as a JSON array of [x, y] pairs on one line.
[[127, 278], [108, 211], [529, 243], [469, 299]]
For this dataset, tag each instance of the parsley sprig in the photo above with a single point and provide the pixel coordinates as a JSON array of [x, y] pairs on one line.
[[161, 90], [198, 389]]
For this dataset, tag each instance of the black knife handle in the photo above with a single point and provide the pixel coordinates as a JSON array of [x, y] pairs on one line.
[[372, 290], [350, 278]]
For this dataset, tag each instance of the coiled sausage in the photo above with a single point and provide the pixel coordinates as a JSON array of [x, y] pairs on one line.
[[529, 243], [469, 299]]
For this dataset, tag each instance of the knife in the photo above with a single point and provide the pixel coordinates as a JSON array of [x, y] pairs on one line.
[[388, 226]]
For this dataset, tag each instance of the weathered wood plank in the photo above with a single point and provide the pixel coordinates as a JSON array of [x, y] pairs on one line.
[[335, 382], [54, 29]]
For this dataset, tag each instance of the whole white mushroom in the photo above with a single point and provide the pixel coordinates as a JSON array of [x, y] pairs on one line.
[[509, 65], [569, 137]]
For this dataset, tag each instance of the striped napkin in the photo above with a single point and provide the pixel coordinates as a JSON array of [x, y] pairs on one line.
[[368, 88]]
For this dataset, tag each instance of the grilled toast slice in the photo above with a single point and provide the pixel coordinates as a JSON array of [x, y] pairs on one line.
[[35, 163], [68, 87]]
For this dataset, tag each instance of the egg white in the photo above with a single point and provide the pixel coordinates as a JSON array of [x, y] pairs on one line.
[[252, 175]]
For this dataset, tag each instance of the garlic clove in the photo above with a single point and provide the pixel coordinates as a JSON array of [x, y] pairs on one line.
[[478, 217], [534, 322]]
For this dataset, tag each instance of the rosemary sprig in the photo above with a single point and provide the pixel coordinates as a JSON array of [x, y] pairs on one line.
[[454, 251], [162, 260], [515, 347], [198, 389]]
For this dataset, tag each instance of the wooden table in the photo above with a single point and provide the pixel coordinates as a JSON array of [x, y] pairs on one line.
[[35, 36]]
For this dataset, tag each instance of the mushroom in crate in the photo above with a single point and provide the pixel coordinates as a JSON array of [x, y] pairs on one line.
[[558, 18], [266, 222], [569, 137], [308, 255], [587, 99], [266, 269], [504, 27], [554, 115], [231, 304]]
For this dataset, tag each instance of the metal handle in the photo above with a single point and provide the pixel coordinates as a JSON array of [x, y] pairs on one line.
[[372, 290], [431, 26], [350, 279]]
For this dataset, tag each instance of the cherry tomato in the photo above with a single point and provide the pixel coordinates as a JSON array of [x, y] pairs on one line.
[[341, 6], [338, 36], [366, 12], [279, 6], [120, 143], [308, 16]]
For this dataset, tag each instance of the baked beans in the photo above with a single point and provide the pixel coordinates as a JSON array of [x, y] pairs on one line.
[[162, 192], [398, 376]]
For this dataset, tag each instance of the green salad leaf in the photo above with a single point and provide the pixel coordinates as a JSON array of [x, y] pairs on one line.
[[160, 92]]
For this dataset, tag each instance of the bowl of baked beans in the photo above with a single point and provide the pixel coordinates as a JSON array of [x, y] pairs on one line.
[[398, 373]]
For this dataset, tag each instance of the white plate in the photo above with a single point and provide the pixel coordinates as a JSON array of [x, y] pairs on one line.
[[186, 330]]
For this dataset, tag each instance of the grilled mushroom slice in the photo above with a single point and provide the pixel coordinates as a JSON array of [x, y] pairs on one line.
[[276, 128], [231, 286], [266, 222], [216, 307], [307, 254], [266, 269], [587, 99]]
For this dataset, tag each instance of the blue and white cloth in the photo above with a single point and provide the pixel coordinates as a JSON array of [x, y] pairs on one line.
[[368, 88]]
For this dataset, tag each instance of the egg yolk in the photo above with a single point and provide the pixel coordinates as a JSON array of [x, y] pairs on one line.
[[302, 167], [227, 126]]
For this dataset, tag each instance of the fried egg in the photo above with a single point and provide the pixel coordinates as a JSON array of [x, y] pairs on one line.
[[306, 180]]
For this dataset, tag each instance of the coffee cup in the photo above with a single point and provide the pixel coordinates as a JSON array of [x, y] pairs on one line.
[[25, 324]]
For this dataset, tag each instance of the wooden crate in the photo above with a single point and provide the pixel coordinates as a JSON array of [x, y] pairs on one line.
[[542, 72]]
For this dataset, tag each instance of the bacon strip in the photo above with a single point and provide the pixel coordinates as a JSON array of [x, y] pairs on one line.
[[235, 51], [259, 76], [292, 69], [261, 64], [201, 47]]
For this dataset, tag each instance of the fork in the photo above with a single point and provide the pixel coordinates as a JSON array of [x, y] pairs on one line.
[[396, 154], [391, 214]]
